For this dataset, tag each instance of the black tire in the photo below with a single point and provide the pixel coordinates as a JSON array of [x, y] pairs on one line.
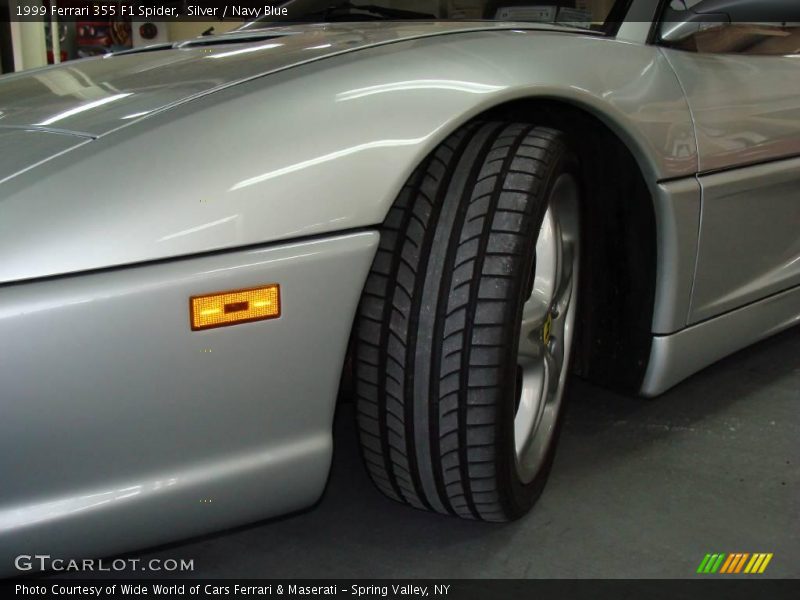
[[438, 325]]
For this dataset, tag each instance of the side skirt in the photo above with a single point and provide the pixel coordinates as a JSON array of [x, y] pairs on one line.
[[675, 357]]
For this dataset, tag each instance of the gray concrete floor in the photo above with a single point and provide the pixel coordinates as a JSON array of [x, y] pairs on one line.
[[640, 488]]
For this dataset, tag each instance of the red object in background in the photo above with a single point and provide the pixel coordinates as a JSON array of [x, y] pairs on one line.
[[94, 33]]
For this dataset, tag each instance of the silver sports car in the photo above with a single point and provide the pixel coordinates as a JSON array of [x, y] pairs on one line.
[[452, 205]]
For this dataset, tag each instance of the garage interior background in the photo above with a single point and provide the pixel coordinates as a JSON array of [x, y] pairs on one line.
[[26, 45]]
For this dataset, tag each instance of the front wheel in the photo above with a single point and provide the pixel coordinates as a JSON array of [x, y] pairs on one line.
[[464, 332]]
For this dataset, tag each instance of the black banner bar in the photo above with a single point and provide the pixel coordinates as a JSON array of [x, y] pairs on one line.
[[461, 589], [771, 11]]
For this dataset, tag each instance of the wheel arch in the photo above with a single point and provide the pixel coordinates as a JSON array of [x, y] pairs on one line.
[[620, 259], [614, 331]]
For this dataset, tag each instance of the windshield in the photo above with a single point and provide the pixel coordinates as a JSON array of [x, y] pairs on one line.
[[585, 14]]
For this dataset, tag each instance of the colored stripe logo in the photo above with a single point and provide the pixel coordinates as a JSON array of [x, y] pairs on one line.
[[733, 564]]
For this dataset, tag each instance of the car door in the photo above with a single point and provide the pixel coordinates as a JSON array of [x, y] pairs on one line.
[[739, 64]]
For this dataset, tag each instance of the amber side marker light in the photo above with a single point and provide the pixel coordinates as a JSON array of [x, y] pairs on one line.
[[236, 306]]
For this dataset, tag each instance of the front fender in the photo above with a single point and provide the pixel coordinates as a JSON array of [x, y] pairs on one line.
[[319, 148]]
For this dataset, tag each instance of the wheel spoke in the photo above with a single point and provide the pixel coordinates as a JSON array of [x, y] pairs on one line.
[[563, 294], [553, 361], [535, 313], [530, 403], [545, 282], [531, 349]]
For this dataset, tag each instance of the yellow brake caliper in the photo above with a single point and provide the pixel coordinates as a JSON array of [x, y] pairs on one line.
[[547, 328]]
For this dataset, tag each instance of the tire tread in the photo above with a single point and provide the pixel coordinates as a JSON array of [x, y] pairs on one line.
[[473, 202]]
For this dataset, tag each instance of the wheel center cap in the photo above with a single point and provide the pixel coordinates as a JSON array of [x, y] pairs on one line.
[[547, 329]]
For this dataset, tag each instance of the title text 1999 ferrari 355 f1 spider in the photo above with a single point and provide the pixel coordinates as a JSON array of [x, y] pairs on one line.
[[192, 235]]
